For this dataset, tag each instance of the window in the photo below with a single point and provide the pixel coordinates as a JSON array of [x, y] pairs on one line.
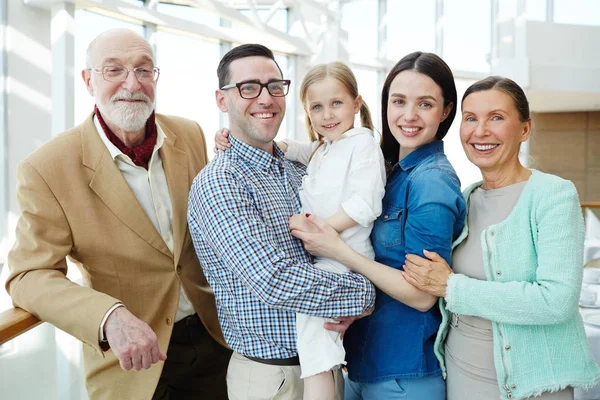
[[467, 35], [188, 80], [279, 19], [359, 20], [578, 12], [88, 26], [370, 91], [193, 14], [410, 27]]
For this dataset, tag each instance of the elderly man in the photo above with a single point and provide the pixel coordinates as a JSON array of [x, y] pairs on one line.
[[239, 209], [111, 195]]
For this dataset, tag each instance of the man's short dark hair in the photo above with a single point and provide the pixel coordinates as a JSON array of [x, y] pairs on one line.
[[245, 50]]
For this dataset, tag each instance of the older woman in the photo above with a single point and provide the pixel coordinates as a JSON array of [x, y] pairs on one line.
[[511, 328]]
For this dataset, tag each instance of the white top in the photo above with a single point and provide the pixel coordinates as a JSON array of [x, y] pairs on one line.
[[152, 192], [347, 173]]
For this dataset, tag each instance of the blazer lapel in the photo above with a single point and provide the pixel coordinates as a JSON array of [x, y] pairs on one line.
[[175, 165], [112, 188]]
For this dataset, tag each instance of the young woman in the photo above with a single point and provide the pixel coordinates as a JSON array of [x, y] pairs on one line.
[[390, 353]]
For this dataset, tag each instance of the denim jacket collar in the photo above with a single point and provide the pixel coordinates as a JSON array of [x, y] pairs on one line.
[[414, 158]]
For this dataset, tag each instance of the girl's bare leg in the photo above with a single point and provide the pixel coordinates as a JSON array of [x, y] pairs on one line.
[[319, 387]]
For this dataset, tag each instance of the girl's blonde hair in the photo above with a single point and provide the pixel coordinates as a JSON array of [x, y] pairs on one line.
[[341, 73]]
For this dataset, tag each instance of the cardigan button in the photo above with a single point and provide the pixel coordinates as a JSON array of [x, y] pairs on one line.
[[499, 273], [492, 233], [507, 347], [513, 386]]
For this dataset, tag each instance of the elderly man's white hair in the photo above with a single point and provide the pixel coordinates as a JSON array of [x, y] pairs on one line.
[[117, 31]]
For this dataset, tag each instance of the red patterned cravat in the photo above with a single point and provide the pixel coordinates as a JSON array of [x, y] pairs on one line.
[[140, 154]]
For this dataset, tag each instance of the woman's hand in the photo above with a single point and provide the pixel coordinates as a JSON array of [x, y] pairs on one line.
[[429, 275], [221, 140], [319, 238]]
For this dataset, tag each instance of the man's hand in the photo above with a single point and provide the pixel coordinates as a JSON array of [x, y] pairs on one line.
[[343, 323], [132, 340]]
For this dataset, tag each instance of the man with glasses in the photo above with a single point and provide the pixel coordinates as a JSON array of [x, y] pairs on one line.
[[111, 195], [238, 214]]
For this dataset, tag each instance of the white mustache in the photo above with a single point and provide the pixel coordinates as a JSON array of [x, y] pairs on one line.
[[127, 95]]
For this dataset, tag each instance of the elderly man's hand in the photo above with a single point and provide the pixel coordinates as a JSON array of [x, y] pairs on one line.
[[429, 275], [132, 340], [343, 323]]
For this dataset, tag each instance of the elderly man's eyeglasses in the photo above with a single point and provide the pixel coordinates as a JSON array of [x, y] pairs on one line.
[[253, 89], [120, 74]]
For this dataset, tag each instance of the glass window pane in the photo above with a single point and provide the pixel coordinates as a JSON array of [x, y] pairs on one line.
[[467, 45], [370, 92], [359, 20], [188, 80], [578, 12], [536, 10], [279, 20], [507, 9], [189, 13], [88, 26], [410, 27]]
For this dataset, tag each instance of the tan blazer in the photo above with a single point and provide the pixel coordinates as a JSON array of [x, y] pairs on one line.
[[76, 203]]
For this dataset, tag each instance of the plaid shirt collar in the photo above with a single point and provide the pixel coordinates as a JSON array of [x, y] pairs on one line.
[[257, 157]]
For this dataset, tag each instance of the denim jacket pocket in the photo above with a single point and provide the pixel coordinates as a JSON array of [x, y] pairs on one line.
[[388, 230]]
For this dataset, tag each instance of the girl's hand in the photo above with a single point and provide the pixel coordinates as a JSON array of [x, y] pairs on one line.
[[221, 140], [429, 275], [319, 238]]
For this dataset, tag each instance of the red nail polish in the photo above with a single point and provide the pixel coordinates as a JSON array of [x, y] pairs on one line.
[[307, 215]]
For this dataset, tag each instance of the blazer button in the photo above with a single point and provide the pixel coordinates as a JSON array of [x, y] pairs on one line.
[[169, 320]]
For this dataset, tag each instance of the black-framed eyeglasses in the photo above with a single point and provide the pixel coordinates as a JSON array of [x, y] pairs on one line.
[[253, 89], [120, 74]]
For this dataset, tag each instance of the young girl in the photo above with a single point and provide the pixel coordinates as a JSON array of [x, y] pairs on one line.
[[344, 185]]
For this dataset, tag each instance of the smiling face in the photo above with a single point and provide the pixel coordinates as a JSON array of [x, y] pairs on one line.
[[125, 106], [331, 108], [415, 110], [254, 121], [491, 131]]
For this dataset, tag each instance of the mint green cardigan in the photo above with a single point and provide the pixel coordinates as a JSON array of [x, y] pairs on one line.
[[534, 265]]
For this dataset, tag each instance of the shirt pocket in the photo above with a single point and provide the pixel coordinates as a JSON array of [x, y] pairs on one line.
[[388, 230]]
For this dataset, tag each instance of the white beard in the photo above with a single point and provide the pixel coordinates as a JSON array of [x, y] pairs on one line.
[[130, 117]]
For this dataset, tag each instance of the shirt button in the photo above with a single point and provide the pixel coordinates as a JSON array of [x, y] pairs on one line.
[[499, 273], [169, 320], [178, 269], [507, 347]]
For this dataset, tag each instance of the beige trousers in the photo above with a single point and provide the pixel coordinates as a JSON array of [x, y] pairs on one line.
[[251, 380]]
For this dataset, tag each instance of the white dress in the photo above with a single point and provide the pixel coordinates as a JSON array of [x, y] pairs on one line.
[[348, 174]]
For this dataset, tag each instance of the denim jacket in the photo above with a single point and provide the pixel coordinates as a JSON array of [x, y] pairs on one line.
[[423, 208]]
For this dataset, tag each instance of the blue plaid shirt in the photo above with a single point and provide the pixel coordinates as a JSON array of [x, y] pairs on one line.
[[238, 215]]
